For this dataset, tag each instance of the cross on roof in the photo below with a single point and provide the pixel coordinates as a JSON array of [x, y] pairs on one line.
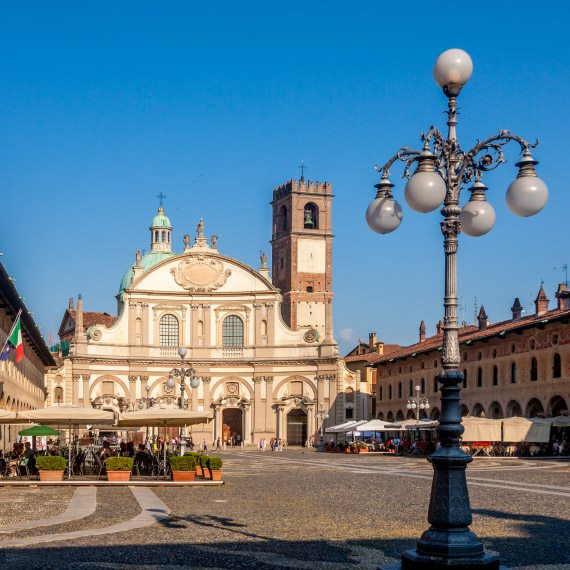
[[161, 198], [302, 167]]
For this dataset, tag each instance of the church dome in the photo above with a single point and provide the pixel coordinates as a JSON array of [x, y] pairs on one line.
[[147, 261], [161, 220]]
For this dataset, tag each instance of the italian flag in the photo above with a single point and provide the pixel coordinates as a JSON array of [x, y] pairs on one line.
[[14, 342]]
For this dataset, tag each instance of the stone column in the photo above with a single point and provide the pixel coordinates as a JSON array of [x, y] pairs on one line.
[[245, 428], [86, 401], [258, 424], [133, 388], [269, 412], [278, 414], [207, 397], [310, 420], [75, 389]]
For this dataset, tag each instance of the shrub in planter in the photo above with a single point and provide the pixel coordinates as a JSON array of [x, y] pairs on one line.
[[51, 467], [183, 468], [215, 466], [119, 468]]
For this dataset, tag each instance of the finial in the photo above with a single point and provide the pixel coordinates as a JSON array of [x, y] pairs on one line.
[[200, 228], [214, 241], [263, 259], [186, 241], [138, 256], [302, 167], [161, 198]]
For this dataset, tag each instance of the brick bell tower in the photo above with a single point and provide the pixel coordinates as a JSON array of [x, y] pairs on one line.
[[302, 254]]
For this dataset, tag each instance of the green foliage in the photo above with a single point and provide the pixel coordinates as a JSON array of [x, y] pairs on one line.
[[184, 463], [192, 454], [214, 462], [51, 463], [119, 463], [342, 446], [204, 460]]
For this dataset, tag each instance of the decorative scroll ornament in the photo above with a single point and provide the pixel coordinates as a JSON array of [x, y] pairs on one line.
[[200, 274], [311, 336]]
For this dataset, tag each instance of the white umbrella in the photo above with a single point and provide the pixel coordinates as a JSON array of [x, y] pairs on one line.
[[7, 417], [163, 417], [68, 415], [376, 425], [340, 427]]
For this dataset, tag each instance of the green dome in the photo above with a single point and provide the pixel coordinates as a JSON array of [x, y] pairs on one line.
[[147, 261], [161, 220]]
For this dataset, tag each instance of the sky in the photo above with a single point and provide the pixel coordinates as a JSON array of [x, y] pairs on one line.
[[105, 104]]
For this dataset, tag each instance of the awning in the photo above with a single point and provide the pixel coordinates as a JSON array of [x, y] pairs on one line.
[[7, 417], [561, 421], [480, 429], [375, 425], [163, 417], [39, 431], [517, 430], [68, 416]]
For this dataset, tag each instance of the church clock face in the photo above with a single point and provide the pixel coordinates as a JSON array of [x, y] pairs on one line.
[[311, 256]]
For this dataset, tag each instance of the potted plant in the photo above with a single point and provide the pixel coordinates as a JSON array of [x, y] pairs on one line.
[[196, 456], [183, 468], [119, 468], [203, 460], [51, 467], [215, 466]]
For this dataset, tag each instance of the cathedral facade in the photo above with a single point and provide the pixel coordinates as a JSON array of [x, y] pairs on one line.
[[261, 345]]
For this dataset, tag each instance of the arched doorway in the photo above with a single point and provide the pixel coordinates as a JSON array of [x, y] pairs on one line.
[[399, 416], [557, 406], [514, 409], [296, 427], [495, 411], [464, 410], [434, 414], [534, 409], [232, 422], [478, 411]]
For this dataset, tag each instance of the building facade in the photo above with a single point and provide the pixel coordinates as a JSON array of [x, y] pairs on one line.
[[519, 367], [265, 352], [21, 384]]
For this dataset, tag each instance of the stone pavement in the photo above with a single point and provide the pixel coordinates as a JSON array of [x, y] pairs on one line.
[[292, 509]]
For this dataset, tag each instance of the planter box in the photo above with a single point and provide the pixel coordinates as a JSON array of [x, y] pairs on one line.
[[48, 475], [199, 471], [216, 474], [363, 450], [118, 475], [183, 475]]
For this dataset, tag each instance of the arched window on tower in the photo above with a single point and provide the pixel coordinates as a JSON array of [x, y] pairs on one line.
[[533, 370], [156, 236], [232, 331], [311, 217], [163, 236], [168, 330], [283, 221]]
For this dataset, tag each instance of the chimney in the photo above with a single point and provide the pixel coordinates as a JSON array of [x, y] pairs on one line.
[[482, 318], [70, 306], [541, 302], [563, 296], [79, 331], [422, 331], [372, 342], [517, 309], [439, 327]]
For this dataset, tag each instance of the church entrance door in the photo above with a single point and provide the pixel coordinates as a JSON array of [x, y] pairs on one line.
[[296, 427], [232, 420]]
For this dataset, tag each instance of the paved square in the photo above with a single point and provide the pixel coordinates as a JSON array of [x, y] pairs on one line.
[[287, 510]]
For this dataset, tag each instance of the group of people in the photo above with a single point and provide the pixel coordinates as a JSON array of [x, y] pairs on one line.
[[275, 444], [22, 456]]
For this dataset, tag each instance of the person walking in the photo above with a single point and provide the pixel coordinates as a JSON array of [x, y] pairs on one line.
[[218, 444]]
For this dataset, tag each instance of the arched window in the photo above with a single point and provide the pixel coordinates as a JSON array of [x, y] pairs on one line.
[[380, 393], [200, 328], [156, 236], [479, 377], [513, 373], [58, 395], [495, 376], [264, 327], [423, 385], [399, 389], [283, 222], [465, 378], [163, 236], [232, 331], [411, 389], [311, 217], [168, 330], [349, 396], [435, 383], [533, 370], [390, 392], [556, 366]]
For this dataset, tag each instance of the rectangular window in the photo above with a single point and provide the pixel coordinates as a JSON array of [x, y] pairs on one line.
[[349, 413]]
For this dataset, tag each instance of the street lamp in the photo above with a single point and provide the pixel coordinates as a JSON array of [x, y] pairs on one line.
[[418, 402], [322, 415], [183, 373], [442, 170]]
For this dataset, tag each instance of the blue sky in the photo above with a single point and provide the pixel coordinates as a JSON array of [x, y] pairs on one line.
[[103, 105]]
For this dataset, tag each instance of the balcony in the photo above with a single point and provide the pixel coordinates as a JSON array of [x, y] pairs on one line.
[[232, 352]]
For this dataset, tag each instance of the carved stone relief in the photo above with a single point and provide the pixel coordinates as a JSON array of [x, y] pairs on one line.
[[200, 274]]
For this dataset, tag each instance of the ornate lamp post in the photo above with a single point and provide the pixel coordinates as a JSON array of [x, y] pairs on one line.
[[183, 373], [322, 415], [418, 402], [443, 168]]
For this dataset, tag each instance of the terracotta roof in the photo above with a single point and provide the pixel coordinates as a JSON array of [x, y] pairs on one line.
[[372, 357], [89, 319], [472, 333]]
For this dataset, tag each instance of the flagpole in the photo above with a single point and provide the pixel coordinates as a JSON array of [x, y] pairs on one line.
[[11, 331]]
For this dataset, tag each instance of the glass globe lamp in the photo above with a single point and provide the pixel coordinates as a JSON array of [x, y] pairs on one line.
[[182, 351], [477, 216], [453, 68], [384, 214], [194, 382], [528, 194], [171, 382], [425, 190]]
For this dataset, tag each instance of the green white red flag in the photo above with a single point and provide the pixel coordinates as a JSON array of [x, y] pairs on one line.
[[14, 342]]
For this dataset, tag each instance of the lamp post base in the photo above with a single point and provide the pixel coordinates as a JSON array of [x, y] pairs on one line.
[[412, 560]]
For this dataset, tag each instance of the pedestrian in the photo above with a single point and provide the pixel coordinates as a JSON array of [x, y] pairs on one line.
[[264, 444], [218, 445]]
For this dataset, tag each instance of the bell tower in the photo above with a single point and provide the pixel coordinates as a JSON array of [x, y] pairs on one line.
[[302, 254]]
